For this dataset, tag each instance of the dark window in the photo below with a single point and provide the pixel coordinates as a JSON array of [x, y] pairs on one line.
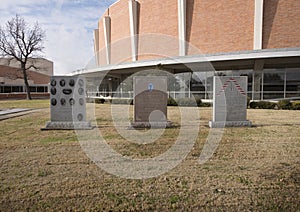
[[273, 83], [293, 82]]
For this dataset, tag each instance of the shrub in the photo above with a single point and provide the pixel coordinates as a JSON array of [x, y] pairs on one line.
[[205, 104], [99, 101], [296, 105], [198, 101], [266, 105], [285, 104], [172, 102], [253, 105], [187, 102], [262, 105], [248, 101]]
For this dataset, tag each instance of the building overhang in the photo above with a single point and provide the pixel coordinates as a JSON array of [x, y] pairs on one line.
[[269, 58]]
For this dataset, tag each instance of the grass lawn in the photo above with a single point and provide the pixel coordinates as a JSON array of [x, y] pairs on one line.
[[255, 168], [35, 104]]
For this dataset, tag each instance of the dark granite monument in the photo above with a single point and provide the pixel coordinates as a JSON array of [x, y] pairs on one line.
[[150, 101]]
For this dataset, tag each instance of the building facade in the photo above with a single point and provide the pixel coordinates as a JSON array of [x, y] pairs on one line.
[[256, 38], [12, 80]]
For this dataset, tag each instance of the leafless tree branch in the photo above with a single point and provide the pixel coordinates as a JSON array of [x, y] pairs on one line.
[[20, 41], [32, 66]]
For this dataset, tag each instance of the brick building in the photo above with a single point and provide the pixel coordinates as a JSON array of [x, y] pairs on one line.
[[12, 82], [257, 38]]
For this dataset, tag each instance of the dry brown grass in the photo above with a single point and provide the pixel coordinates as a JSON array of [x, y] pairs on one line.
[[255, 168]]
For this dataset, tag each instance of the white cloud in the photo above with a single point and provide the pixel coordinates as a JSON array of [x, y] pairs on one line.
[[9, 4], [69, 27]]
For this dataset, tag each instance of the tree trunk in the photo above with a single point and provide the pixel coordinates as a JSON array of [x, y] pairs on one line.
[[23, 67]]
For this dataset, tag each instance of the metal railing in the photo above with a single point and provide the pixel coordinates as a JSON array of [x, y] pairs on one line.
[[206, 95], [129, 94]]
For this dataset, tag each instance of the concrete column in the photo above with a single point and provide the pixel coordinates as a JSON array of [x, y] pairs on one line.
[[182, 27], [133, 20], [107, 37], [110, 86], [96, 46], [257, 80], [284, 91], [258, 24]]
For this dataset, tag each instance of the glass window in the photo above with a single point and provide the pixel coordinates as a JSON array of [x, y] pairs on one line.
[[32, 89], [15, 89], [273, 83], [198, 85], [292, 82], [40, 89], [7, 89]]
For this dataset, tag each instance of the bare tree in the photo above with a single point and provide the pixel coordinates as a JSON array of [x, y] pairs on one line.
[[20, 41]]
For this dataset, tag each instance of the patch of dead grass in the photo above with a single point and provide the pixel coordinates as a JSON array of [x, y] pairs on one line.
[[253, 168]]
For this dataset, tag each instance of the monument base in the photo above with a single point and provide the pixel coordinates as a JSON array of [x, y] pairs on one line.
[[68, 126], [221, 124], [157, 125]]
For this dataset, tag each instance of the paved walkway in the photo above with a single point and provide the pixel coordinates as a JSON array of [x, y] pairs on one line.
[[15, 112]]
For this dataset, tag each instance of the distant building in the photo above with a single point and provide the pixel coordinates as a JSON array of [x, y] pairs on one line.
[[12, 80], [256, 38]]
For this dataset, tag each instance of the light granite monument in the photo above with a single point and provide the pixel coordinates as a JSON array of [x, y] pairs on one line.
[[67, 103], [150, 101], [230, 102]]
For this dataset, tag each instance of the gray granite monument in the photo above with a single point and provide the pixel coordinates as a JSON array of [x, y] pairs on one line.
[[150, 101], [67, 103], [230, 102]]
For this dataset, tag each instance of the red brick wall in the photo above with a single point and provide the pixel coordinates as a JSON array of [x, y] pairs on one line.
[[220, 25], [15, 73], [38, 78], [281, 24], [212, 26], [9, 72], [120, 32], [159, 18]]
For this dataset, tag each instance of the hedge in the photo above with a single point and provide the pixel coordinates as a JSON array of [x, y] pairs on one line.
[[282, 105], [187, 102], [285, 105], [296, 105], [262, 105]]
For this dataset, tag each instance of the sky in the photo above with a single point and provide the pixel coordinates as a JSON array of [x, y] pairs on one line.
[[69, 26]]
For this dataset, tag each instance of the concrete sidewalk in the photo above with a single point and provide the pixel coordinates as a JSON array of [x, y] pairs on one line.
[[14, 112]]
